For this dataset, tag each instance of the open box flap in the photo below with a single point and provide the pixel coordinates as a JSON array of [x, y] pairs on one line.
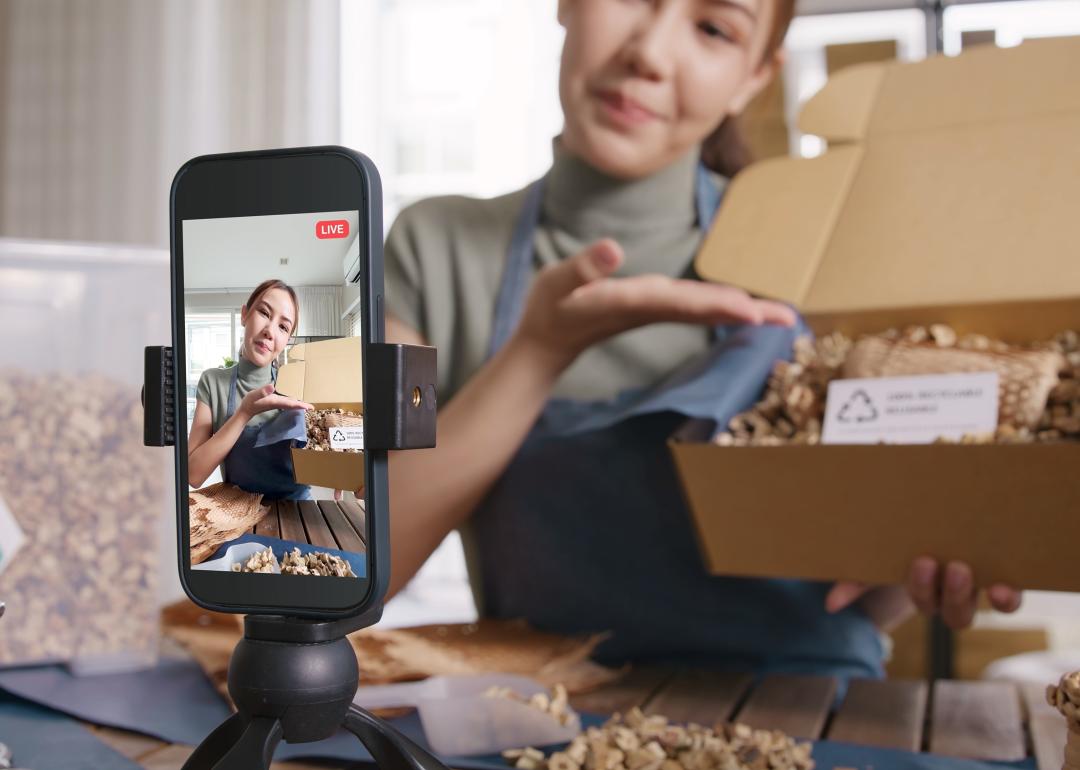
[[950, 181], [327, 372]]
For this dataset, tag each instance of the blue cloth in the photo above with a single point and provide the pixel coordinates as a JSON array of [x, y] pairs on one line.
[[45, 740], [173, 702], [263, 467], [281, 547], [287, 425], [586, 530]]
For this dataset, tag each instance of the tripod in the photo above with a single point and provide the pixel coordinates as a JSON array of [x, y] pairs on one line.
[[294, 680]]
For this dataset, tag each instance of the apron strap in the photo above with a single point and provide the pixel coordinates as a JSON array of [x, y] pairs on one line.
[[519, 259], [707, 197], [231, 408], [515, 281]]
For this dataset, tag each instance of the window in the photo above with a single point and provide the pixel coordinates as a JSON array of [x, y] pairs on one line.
[[211, 338], [450, 98], [1008, 23], [815, 46]]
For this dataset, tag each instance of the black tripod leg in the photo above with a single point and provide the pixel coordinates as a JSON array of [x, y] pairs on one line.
[[390, 749], [216, 744], [237, 744]]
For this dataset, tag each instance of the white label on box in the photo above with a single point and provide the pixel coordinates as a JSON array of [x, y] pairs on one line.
[[347, 438], [910, 410], [11, 536]]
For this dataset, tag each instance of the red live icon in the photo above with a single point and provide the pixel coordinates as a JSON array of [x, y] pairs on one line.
[[332, 228]]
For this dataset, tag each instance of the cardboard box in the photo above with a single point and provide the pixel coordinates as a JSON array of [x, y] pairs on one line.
[[949, 194], [327, 375]]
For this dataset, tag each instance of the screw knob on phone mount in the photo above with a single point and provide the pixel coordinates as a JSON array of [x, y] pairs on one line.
[[401, 380], [294, 679]]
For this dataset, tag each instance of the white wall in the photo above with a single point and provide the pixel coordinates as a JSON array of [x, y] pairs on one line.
[[243, 252]]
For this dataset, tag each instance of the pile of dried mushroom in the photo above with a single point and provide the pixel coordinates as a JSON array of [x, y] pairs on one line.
[[321, 421], [88, 496], [1039, 383], [317, 563], [640, 742]]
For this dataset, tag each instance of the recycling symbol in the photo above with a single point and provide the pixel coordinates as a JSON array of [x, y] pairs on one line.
[[859, 408], [338, 435]]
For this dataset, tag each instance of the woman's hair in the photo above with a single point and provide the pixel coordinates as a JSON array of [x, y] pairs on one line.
[[725, 150], [275, 283]]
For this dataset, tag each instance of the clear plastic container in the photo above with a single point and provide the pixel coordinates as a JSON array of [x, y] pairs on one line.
[[459, 719], [87, 495]]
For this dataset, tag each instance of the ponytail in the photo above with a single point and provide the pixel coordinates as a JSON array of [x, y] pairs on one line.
[[725, 150]]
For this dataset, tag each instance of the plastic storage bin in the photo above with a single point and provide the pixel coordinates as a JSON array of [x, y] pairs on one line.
[[74, 474]]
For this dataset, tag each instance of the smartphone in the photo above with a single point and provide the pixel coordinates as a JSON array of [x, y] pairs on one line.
[[276, 300]]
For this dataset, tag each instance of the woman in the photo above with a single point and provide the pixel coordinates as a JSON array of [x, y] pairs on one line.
[[235, 403], [573, 339]]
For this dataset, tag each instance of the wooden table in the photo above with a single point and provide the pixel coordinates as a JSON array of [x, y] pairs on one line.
[[336, 524], [975, 719], [983, 720]]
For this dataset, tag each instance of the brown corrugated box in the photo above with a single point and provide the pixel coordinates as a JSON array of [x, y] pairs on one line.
[[328, 375], [950, 193]]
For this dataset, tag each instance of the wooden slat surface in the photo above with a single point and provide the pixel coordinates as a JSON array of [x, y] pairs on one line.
[[979, 720], [705, 697], [889, 714], [269, 525], [348, 539], [634, 688], [317, 530], [975, 719], [292, 528], [1046, 726], [354, 511], [796, 704]]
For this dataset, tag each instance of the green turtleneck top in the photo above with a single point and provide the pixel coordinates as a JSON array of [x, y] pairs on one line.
[[213, 390], [444, 259]]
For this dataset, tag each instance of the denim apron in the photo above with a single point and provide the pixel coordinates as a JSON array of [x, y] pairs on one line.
[[256, 464], [587, 529]]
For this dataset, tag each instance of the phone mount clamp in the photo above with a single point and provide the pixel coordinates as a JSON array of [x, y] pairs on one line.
[[294, 679]]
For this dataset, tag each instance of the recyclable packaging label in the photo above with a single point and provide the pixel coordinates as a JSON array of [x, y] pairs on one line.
[[11, 536], [347, 438], [910, 410]]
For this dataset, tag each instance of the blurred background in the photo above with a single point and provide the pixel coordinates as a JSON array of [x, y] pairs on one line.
[[101, 102]]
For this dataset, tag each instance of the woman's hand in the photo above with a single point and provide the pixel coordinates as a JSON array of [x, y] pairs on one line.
[[575, 304], [264, 399], [950, 591]]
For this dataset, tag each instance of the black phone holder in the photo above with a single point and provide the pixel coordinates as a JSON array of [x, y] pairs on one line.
[[294, 679], [400, 390]]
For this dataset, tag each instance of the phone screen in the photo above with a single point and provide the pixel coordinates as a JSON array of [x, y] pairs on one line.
[[273, 376]]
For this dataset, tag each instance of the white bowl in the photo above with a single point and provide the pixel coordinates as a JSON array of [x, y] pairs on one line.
[[236, 554]]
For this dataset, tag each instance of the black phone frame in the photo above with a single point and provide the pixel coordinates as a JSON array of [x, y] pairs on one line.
[[261, 183]]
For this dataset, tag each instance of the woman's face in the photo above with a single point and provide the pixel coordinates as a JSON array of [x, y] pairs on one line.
[[644, 81], [268, 324]]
